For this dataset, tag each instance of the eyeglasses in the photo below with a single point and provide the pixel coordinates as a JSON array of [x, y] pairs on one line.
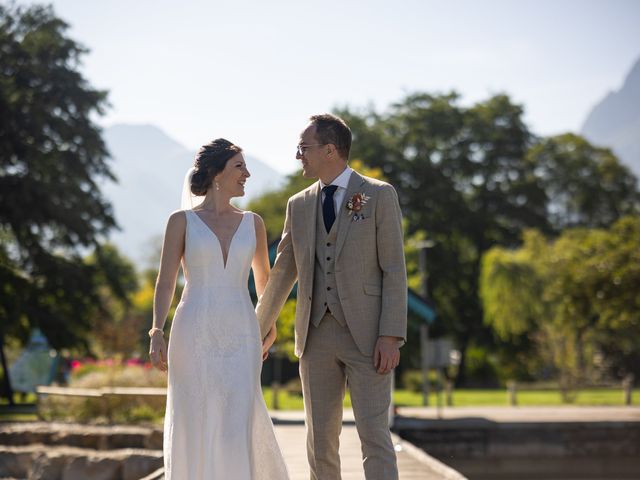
[[303, 148]]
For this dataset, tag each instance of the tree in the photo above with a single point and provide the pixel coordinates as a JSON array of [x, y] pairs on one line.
[[271, 206], [116, 322], [462, 181], [52, 160], [586, 185], [468, 179], [576, 297]]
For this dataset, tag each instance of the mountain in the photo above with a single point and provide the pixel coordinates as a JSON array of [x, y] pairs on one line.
[[150, 167], [615, 121]]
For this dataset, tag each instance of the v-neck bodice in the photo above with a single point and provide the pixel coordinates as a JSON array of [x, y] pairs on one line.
[[204, 263], [225, 257]]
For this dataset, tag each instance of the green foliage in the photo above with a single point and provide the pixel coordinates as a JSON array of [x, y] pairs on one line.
[[272, 205], [586, 186], [510, 289], [115, 272], [577, 298], [482, 366], [118, 326], [121, 409], [139, 316], [412, 380], [285, 342], [462, 180], [470, 178], [52, 161]]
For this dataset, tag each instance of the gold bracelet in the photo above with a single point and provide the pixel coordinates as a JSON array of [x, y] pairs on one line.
[[154, 330]]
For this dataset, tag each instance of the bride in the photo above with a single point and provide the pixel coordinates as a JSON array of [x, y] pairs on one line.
[[216, 422]]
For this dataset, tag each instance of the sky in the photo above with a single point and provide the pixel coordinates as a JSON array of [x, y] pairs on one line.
[[254, 71]]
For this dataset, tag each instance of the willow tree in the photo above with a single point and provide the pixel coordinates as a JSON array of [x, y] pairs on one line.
[[577, 297]]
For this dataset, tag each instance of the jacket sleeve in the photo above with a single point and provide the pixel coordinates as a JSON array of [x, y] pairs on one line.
[[390, 247], [282, 277]]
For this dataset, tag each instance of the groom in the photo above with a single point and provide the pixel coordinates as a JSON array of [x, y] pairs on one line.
[[342, 241]]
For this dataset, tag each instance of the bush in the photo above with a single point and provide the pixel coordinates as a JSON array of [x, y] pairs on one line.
[[294, 387], [120, 409], [412, 380], [481, 368]]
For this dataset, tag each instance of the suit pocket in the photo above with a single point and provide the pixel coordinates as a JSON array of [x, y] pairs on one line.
[[372, 289]]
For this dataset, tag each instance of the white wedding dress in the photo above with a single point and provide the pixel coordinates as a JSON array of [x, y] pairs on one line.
[[216, 425]]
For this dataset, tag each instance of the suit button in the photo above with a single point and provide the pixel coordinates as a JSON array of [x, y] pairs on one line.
[[328, 288], [329, 244], [328, 258], [325, 304], [309, 298]]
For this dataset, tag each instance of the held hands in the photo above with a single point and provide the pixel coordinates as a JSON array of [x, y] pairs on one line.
[[158, 352], [386, 354], [268, 341]]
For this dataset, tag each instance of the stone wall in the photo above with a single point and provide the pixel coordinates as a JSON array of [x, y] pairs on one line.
[[54, 451]]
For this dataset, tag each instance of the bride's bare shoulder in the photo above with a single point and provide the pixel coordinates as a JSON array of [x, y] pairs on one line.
[[177, 220]]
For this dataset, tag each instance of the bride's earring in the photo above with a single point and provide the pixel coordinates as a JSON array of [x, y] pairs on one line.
[[217, 186]]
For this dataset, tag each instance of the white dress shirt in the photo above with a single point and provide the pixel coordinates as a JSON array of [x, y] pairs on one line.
[[342, 182]]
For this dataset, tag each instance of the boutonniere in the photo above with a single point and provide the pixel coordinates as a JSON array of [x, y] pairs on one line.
[[354, 205]]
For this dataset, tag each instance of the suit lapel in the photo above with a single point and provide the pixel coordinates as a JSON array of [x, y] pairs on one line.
[[344, 220], [311, 210]]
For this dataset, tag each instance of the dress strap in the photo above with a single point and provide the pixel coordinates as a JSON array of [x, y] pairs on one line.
[[251, 220]]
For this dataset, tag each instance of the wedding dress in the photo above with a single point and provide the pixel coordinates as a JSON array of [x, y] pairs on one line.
[[217, 426]]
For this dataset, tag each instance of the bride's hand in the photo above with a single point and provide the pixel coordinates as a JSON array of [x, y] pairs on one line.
[[268, 341], [158, 352]]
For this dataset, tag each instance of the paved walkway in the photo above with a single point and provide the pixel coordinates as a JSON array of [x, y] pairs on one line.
[[413, 464]]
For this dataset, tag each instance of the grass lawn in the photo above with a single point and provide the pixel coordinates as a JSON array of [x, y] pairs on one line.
[[478, 398], [6, 416], [405, 398], [23, 412]]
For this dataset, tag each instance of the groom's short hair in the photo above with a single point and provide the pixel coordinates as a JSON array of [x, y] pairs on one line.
[[333, 130]]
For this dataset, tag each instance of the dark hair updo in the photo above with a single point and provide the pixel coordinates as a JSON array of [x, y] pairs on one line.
[[210, 161]]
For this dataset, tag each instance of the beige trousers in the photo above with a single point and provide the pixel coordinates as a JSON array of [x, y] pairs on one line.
[[331, 361]]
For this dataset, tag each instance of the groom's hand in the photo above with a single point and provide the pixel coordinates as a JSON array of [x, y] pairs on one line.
[[268, 341], [386, 354]]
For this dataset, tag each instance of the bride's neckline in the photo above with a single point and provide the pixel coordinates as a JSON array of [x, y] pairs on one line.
[[225, 257]]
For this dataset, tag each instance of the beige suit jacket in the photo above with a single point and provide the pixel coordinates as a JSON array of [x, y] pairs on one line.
[[370, 267]]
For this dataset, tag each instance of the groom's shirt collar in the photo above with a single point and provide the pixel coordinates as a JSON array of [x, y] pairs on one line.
[[342, 180]]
